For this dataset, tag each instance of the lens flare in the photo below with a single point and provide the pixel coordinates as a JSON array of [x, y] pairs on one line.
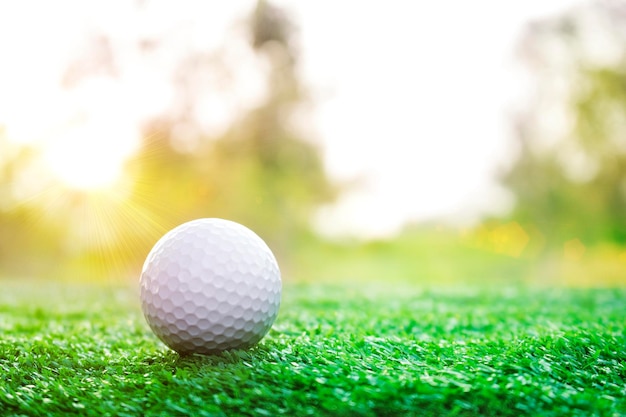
[[90, 154]]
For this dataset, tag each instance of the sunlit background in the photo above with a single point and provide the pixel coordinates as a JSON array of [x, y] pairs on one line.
[[436, 141]]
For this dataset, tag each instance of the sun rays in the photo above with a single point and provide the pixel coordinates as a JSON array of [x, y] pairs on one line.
[[93, 229]]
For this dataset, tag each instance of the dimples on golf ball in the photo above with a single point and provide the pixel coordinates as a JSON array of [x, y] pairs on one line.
[[210, 285]]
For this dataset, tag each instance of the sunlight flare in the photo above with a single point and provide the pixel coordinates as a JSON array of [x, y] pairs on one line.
[[90, 154]]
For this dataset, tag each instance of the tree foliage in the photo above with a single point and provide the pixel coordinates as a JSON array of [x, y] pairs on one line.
[[261, 171], [569, 181]]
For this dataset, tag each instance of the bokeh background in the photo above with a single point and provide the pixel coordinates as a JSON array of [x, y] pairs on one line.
[[474, 143]]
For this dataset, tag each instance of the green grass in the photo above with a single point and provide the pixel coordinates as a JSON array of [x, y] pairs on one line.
[[335, 349]]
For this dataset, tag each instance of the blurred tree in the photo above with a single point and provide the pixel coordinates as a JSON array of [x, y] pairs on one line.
[[261, 171], [569, 179], [279, 175]]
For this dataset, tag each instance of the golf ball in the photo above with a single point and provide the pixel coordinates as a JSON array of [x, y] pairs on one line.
[[210, 285]]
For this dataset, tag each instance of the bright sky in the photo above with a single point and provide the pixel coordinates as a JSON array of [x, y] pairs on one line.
[[413, 98]]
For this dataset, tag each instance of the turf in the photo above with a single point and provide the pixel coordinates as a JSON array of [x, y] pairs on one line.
[[367, 350]]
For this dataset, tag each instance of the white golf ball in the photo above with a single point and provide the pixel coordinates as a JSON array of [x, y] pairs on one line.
[[210, 285]]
